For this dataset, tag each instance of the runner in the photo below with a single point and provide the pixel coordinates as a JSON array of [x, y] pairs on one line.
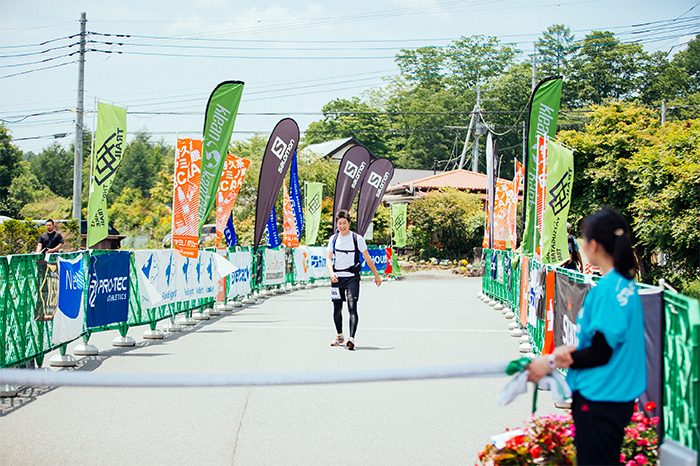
[[344, 249]]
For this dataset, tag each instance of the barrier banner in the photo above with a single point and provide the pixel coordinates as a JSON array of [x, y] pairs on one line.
[[158, 267], [302, 267], [219, 119], [69, 316], [188, 163], [372, 191], [222, 284], [379, 258], [317, 262], [654, 334], [108, 294], [295, 196], [348, 181], [549, 313], [398, 224], [524, 288], [536, 299], [275, 163], [313, 204], [110, 140], [568, 301], [47, 290], [207, 280], [185, 277], [232, 178], [239, 280], [544, 112], [274, 267], [289, 231], [560, 179]]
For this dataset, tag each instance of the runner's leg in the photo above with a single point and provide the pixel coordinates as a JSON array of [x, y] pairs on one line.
[[338, 316]]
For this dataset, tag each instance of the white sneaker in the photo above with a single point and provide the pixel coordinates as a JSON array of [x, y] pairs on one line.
[[350, 344]]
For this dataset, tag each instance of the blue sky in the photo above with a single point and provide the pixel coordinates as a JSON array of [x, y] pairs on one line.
[[293, 56]]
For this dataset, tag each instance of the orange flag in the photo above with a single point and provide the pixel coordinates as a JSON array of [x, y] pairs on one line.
[[289, 235], [188, 164], [232, 177]]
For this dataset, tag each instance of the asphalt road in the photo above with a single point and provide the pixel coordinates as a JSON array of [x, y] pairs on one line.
[[424, 320]]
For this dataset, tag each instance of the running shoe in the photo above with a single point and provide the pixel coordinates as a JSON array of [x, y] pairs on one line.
[[350, 344], [339, 341]]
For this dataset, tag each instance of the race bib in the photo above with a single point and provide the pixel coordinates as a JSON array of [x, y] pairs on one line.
[[335, 294]]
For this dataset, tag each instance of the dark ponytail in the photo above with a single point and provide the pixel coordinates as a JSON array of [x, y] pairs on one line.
[[611, 231]]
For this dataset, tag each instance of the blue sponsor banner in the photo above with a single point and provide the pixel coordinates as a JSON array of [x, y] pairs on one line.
[[230, 232], [108, 295], [295, 196], [378, 257], [273, 235]]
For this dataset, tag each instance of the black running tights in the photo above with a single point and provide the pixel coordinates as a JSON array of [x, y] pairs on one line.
[[338, 316]]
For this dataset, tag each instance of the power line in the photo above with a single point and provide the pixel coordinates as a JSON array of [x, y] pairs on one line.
[[39, 61], [38, 69], [40, 52], [39, 44]]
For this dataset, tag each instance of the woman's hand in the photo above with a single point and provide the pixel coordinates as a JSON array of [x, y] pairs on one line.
[[334, 277], [537, 369], [562, 356]]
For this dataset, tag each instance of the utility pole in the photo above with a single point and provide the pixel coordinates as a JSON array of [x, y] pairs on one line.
[[524, 142], [663, 112], [78, 156], [479, 130], [534, 66]]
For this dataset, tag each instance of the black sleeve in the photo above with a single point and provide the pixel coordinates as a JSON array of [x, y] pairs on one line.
[[598, 354], [59, 239]]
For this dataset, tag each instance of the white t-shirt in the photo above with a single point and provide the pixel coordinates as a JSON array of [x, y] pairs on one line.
[[344, 260]]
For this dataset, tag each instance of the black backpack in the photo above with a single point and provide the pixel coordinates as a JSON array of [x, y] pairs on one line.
[[355, 268]]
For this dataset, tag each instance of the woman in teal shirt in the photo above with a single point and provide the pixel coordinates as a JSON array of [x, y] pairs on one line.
[[607, 369]]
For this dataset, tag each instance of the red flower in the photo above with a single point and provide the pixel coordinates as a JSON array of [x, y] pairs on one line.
[[623, 458], [536, 451], [641, 427], [643, 442], [650, 406], [631, 463], [654, 420], [640, 459]]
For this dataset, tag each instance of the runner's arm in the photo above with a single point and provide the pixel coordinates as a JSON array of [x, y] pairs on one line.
[[329, 266], [370, 263]]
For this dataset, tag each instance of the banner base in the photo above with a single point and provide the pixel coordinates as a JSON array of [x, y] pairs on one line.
[[204, 315], [188, 321], [153, 335], [86, 349], [62, 360], [8, 391], [123, 342], [172, 327]]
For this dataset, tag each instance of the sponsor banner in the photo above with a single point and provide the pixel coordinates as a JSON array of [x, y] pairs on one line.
[[207, 277], [398, 224], [317, 262], [568, 301], [536, 297], [389, 261], [313, 204], [654, 332], [560, 178], [501, 234], [188, 163], [374, 186], [47, 289], [541, 192], [544, 112], [348, 181], [524, 288], [512, 201], [221, 294], [549, 313], [271, 232], [239, 280], [158, 268], [219, 119], [110, 141], [379, 257], [230, 232], [232, 178], [69, 316], [275, 163], [295, 196], [274, 267], [289, 233], [108, 292], [302, 264]]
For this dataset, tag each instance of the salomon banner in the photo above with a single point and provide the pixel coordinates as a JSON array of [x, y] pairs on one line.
[[379, 258], [560, 179], [274, 267], [220, 116], [108, 294], [398, 224], [348, 181], [544, 112], [289, 223], [69, 316], [239, 280], [188, 166], [232, 177], [295, 196], [275, 163], [302, 267], [158, 267], [271, 232], [372, 191], [110, 141], [313, 204], [568, 301], [317, 262]]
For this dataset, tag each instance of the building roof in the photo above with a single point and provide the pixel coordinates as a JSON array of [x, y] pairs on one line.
[[459, 179], [404, 175], [335, 148]]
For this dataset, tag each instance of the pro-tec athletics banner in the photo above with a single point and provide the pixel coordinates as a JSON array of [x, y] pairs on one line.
[[313, 204], [69, 316], [544, 112], [188, 167], [232, 177], [108, 294], [110, 139], [560, 179], [220, 116], [373, 188], [348, 181], [398, 224], [275, 163]]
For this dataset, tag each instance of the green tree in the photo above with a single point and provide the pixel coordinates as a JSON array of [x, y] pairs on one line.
[[22, 190], [476, 59], [554, 49], [17, 237], [53, 167], [663, 79], [424, 65], [141, 164], [689, 61], [10, 168]]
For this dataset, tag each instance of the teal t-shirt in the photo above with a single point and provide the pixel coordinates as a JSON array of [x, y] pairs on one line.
[[614, 309]]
